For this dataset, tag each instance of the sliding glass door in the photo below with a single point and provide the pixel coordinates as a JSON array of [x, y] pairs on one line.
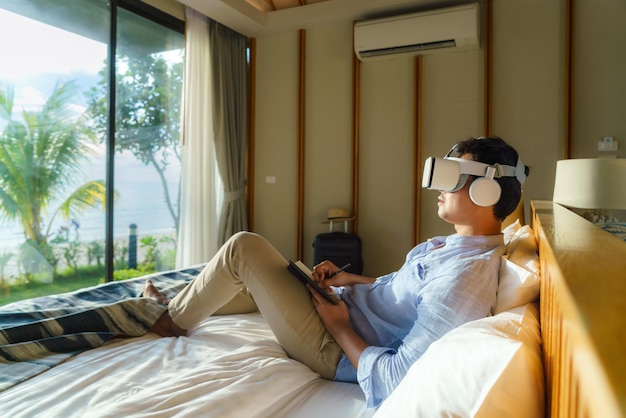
[[89, 145]]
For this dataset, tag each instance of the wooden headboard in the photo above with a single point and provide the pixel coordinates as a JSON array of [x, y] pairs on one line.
[[583, 312]]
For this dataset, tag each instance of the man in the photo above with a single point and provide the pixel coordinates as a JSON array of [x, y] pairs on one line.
[[379, 327]]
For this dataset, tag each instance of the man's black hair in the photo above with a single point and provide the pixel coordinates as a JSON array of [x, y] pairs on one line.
[[492, 150]]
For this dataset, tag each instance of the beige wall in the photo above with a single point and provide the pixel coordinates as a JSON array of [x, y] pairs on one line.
[[276, 145], [386, 162], [600, 75], [528, 111], [528, 86]]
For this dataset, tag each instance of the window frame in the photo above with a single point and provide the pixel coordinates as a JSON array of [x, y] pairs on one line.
[[168, 21]]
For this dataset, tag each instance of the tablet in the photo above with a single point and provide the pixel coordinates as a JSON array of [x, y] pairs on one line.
[[303, 274]]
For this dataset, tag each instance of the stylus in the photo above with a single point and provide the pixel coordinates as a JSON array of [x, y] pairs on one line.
[[338, 271]]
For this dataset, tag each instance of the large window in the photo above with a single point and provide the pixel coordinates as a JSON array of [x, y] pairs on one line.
[[89, 186]]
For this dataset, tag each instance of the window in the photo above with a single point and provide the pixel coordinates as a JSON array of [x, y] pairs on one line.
[[77, 176]]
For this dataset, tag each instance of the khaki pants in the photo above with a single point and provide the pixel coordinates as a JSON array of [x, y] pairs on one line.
[[249, 263]]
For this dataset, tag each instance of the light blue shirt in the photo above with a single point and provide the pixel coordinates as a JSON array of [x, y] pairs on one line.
[[443, 283]]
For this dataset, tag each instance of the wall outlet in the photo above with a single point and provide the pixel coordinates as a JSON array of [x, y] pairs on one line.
[[607, 144]]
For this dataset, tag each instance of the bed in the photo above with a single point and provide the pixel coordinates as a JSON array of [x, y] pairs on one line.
[[233, 366]]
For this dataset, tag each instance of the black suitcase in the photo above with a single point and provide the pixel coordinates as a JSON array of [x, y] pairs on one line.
[[339, 247]]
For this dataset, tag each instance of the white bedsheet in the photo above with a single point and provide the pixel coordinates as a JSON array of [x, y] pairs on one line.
[[229, 366]]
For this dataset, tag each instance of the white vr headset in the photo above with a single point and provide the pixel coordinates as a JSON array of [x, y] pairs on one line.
[[450, 174]]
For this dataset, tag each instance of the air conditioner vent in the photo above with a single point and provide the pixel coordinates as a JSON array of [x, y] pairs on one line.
[[409, 48]]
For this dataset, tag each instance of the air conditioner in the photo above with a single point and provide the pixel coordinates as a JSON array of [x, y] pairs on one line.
[[448, 29]]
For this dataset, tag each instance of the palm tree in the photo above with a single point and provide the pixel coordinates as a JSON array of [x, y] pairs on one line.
[[40, 160]]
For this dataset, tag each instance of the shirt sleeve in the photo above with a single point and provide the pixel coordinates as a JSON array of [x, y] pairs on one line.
[[444, 304]]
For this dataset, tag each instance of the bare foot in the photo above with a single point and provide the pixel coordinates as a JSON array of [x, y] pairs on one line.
[[151, 292], [165, 327]]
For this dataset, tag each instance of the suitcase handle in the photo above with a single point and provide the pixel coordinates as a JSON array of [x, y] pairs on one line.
[[331, 222]]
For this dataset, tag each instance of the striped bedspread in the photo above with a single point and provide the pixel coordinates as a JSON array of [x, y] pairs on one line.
[[37, 334]]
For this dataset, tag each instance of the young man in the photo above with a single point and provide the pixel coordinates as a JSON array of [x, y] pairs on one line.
[[379, 327]]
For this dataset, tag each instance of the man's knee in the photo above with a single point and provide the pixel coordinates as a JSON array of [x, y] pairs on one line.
[[244, 237], [248, 241]]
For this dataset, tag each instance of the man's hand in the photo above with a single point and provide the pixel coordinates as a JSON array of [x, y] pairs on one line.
[[336, 319], [324, 272]]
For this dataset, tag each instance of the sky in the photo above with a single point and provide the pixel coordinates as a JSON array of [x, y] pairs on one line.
[[32, 51]]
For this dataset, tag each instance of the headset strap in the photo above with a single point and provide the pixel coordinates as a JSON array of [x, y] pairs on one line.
[[476, 168], [519, 171]]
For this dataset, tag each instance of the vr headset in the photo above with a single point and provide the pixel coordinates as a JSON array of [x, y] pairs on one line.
[[450, 174]]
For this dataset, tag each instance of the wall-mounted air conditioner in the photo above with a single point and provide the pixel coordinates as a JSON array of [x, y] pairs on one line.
[[449, 29]]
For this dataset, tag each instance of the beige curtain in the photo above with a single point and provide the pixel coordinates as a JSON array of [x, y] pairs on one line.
[[198, 232], [230, 115]]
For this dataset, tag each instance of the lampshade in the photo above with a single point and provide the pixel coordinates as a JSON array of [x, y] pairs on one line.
[[591, 183]]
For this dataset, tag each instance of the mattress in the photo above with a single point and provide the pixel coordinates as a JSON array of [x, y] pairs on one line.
[[226, 366]]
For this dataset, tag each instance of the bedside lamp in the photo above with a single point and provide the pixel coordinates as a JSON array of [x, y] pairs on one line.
[[596, 184]]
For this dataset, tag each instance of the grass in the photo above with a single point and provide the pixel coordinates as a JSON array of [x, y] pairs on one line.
[[66, 281]]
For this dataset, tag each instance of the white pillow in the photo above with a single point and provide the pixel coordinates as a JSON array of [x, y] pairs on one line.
[[519, 269], [490, 367], [510, 230]]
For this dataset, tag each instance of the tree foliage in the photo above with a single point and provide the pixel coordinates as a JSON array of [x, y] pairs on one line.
[[40, 164], [148, 95]]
